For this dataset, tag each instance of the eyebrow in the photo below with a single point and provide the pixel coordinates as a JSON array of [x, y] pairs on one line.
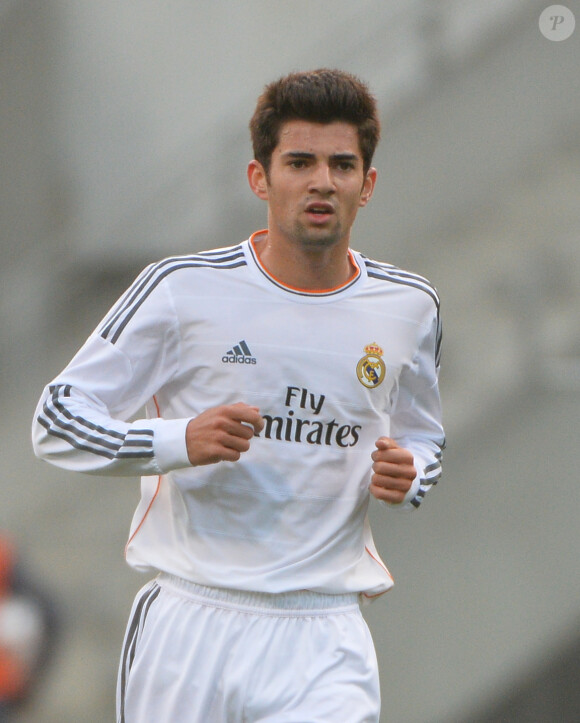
[[309, 156]]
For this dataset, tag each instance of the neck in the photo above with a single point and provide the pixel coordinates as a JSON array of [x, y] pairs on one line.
[[309, 268]]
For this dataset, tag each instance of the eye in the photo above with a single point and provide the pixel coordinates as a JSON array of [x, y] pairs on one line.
[[345, 165], [297, 163]]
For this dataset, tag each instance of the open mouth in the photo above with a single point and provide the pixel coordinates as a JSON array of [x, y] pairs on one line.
[[320, 209]]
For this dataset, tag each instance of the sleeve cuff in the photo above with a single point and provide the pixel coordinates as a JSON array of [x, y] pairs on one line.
[[169, 444], [412, 493]]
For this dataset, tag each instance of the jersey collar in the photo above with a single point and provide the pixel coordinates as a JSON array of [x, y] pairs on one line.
[[318, 293]]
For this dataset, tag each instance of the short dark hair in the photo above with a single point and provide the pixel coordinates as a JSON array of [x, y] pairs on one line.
[[319, 96]]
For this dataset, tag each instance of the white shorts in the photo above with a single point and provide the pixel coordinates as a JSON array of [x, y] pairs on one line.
[[194, 654]]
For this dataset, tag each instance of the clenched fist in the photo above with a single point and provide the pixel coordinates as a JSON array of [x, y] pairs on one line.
[[222, 434], [393, 471]]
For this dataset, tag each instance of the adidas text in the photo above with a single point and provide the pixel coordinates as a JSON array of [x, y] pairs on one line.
[[233, 359]]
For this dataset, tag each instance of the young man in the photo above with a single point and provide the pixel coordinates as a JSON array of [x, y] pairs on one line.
[[286, 379]]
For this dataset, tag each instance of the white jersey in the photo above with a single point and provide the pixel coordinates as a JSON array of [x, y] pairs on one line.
[[331, 371]]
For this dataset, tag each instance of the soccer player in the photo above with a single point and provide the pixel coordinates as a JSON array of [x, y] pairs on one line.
[[286, 379]]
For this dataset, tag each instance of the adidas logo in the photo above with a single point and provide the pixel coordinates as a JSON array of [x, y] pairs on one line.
[[240, 354]]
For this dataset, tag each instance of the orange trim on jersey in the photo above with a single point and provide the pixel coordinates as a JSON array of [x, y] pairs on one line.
[[381, 563], [140, 525], [297, 288], [150, 505], [372, 597]]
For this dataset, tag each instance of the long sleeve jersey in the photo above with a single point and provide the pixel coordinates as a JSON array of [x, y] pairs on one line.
[[331, 371]]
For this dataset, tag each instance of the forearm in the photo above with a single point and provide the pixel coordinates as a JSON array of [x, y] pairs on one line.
[[427, 462], [75, 432], [416, 422]]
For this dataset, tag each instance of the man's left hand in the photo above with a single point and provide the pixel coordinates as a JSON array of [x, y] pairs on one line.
[[393, 471]]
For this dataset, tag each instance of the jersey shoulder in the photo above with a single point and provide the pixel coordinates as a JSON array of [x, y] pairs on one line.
[[162, 272], [389, 274], [227, 257]]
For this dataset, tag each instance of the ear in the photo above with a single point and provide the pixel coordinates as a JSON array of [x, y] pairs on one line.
[[368, 186], [258, 180]]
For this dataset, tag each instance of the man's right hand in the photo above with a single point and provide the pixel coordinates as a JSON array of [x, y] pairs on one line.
[[222, 433]]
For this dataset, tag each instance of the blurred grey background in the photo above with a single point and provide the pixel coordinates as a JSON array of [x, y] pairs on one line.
[[123, 139]]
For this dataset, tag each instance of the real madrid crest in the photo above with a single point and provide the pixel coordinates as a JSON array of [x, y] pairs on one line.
[[371, 368]]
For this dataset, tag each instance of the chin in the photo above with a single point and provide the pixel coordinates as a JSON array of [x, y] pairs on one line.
[[321, 239]]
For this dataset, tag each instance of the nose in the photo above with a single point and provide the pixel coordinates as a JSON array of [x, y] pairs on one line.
[[322, 179]]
